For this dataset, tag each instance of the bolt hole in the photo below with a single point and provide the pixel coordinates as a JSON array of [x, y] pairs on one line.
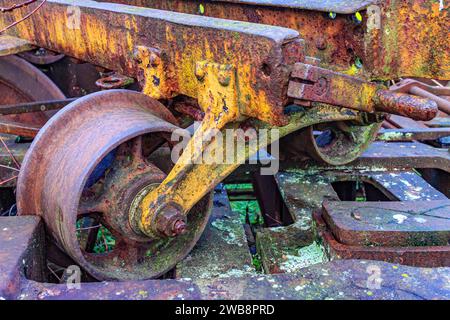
[[266, 69]]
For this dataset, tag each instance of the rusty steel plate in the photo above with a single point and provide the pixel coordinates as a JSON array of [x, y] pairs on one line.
[[337, 6], [337, 280], [396, 224], [54, 183], [421, 256]]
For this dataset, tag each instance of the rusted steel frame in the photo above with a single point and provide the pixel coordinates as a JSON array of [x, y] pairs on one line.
[[259, 56], [412, 134], [326, 86], [402, 38], [12, 45], [337, 42], [343, 279], [177, 191], [19, 129], [35, 106]]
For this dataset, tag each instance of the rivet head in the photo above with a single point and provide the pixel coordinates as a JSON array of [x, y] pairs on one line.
[[224, 78], [200, 71], [154, 59]]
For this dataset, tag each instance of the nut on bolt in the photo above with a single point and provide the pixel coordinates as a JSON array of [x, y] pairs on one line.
[[200, 71], [170, 221]]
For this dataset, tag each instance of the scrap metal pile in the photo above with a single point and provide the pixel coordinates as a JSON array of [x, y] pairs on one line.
[[356, 94]]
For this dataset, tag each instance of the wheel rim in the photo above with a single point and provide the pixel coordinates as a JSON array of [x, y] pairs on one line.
[[74, 143], [22, 82], [335, 145]]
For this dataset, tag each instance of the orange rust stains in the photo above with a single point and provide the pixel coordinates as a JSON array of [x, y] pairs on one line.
[[336, 42], [412, 41]]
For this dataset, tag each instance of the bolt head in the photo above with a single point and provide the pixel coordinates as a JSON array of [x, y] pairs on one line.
[[200, 71], [179, 227], [170, 221]]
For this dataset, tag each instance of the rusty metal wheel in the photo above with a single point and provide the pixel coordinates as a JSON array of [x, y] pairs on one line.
[[334, 143], [22, 82], [41, 56], [85, 171]]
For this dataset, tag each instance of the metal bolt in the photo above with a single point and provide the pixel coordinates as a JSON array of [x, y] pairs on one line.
[[321, 86], [154, 59], [200, 71], [321, 44], [170, 221], [179, 227], [224, 78]]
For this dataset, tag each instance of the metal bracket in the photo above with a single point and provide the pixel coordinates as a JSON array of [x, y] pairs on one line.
[[217, 92], [152, 74], [325, 86]]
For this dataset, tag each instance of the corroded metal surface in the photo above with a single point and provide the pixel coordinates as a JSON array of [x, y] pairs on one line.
[[11, 45], [285, 249], [35, 106], [385, 40], [341, 279], [337, 42], [176, 188], [423, 90], [222, 250], [423, 256], [234, 70], [412, 134], [395, 224], [41, 56], [411, 40], [337, 6], [18, 128], [21, 253], [404, 155], [321, 85], [345, 279], [335, 143]]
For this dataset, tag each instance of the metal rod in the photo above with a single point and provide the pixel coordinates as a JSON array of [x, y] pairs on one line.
[[35, 106]]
